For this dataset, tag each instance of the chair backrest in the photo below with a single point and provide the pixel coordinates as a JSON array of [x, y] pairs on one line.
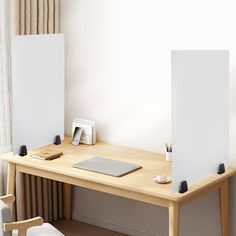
[[5, 217]]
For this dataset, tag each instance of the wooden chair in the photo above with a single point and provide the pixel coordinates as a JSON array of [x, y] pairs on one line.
[[30, 227]]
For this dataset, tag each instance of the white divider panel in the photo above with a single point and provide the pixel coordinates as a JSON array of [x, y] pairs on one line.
[[200, 92], [37, 89]]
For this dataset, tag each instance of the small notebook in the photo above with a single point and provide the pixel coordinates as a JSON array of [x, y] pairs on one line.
[[47, 155], [107, 166]]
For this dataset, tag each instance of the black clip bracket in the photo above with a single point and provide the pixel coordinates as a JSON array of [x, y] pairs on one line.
[[57, 140], [183, 188], [23, 150], [221, 169]]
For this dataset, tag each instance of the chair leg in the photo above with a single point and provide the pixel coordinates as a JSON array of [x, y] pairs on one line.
[[22, 232], [11, 175]]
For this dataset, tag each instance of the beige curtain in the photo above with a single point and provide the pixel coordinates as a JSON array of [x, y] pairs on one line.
[[5, 89], [37, 196], [36, 16]]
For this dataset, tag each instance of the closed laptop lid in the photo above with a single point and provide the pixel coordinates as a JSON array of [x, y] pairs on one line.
[[107, 166]]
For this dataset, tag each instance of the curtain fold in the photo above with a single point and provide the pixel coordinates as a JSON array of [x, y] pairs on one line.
[[36, 16], [5, 89], [37, 196]]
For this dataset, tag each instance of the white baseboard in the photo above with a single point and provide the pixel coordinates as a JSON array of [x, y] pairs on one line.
[[109, 225]]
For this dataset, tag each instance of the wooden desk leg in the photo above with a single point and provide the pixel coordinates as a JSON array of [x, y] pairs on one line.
[[174, 210], [224, 207], [67, 200], [11, 175]]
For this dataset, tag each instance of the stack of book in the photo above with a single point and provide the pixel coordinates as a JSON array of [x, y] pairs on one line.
[[83, 131]]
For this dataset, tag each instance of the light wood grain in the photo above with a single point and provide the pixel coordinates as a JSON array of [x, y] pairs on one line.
[[67, 202], [95, 186], [11, 175], [10, 198], [209, 184], [140, 181], [22, 232], [138, 185], [174, 211], [224, 207], [22, 226]]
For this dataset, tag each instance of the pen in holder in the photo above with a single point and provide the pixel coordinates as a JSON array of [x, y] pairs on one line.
[[168, 152]]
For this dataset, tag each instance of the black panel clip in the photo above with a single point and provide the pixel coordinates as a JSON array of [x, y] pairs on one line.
[[57, 140], [221, 169], [23, 150], [183, 187]]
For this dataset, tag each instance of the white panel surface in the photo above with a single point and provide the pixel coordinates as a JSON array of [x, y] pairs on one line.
[[38, 89], [200, 135]]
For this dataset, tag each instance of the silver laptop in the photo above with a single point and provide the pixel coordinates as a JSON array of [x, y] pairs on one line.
[[107, 166]]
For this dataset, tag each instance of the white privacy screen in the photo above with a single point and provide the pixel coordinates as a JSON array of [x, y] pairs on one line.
[[37, 89], [200, 93]]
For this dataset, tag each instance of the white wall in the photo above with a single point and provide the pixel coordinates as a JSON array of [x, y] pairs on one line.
[[115, 73], [118, 73]]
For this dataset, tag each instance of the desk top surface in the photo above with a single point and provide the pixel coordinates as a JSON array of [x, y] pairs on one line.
[[140, 181]]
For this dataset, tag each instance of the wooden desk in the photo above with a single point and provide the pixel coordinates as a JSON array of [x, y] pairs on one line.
[[138, 185]]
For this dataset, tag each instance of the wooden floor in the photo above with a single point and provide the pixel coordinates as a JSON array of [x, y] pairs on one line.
[[74, 228]]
